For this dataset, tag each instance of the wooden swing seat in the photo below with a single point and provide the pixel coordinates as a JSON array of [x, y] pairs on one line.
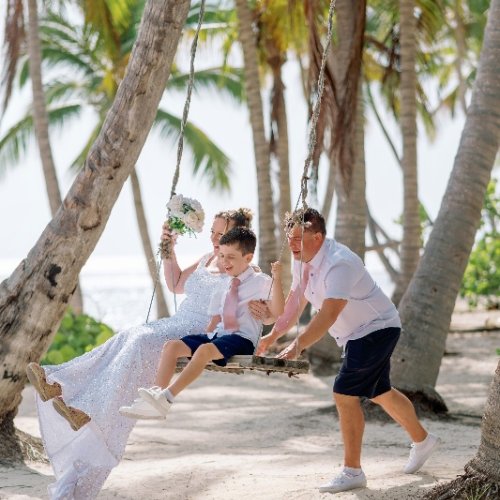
[[238, 364]]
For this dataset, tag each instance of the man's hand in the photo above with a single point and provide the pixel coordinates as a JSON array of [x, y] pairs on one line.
[[265, 343], [290, 352], [259, 310]]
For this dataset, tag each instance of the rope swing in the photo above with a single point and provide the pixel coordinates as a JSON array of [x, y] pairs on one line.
[[237, 364]]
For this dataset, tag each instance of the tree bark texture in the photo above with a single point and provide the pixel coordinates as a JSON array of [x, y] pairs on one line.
[[41, 125], [410, 246], [33, 299], [351, 221], [482, 474], [161, 304], [283, 175], [267, 234], [428, 303]]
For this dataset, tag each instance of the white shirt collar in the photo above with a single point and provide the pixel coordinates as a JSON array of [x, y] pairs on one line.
[[316, 261], [249, 271]]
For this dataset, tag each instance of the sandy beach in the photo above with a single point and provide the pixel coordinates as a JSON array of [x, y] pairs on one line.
[[255, 436]]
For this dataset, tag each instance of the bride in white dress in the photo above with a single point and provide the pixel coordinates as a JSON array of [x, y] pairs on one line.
[[100, 381]]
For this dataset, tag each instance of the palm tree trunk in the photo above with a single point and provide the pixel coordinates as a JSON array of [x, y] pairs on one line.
[[326, 207], [482, 473], [284, 172], [33, 299], [351, 219], [410, 246], [41, 124], [428, 303], [267, 226], [161, 305]]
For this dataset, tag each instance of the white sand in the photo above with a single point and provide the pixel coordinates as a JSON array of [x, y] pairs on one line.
[[257, 437]]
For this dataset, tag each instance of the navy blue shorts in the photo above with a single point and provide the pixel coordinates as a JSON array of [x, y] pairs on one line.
[[367, 364], [228, 345]]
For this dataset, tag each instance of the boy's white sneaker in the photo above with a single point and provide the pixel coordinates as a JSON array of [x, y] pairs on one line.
[[141, 410], [155, 398], [345, 481], [420, 452]]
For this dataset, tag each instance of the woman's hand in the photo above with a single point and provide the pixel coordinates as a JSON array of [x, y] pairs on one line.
[[167, 234]]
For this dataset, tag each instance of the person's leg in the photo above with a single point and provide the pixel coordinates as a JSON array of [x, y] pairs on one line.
[[171, 352], [203, 355], [401, 409], [352, 425]]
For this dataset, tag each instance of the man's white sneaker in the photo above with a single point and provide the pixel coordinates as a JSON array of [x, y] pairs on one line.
[[155, 398], [345, 481], [420, 452], [141, 410]]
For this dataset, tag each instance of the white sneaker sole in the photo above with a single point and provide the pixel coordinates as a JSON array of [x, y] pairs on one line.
[[336, 489], [139, 416], [144, 394]]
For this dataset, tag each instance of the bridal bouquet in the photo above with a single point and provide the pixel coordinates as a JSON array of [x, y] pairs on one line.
[[185, 215]]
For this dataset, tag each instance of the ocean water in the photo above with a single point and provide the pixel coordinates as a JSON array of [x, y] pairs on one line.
[[118, 290]]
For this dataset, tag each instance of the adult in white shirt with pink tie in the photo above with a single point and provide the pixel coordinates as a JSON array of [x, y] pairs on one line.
[[365, 322]]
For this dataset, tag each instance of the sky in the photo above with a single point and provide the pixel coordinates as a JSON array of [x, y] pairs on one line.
[[24, 207]]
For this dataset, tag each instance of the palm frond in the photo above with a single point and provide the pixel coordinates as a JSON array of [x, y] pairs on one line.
[[14, 144], [227, 81], [209, 160], [16, 140]]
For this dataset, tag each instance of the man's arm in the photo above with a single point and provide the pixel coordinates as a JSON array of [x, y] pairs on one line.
[[322, 321], [274, 335]]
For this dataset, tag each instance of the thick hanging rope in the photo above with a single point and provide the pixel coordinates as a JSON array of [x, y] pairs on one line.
[[180, 149], [312, 130], [312, 146]]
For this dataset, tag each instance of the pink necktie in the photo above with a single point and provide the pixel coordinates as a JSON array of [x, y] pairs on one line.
[[230, 305], [293, 303]]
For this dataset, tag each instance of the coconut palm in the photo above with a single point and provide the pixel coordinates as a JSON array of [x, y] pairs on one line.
[[410, 247], [14, 39], [100, 69], [428, 303], [481, 479], [267, 240], [33, 299]]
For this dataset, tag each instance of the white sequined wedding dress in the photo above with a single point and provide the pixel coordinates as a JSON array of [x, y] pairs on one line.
[[101, 381]]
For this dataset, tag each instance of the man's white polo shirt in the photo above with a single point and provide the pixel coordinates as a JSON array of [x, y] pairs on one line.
[[338, 273]]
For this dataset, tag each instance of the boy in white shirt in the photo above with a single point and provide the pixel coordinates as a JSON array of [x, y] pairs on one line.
[[231, 331]]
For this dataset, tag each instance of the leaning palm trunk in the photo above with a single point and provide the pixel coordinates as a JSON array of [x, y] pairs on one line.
[[41, 124], [410, 246], [34, 297], [161, 304], [267, 234], [482, 474], [428, 303]]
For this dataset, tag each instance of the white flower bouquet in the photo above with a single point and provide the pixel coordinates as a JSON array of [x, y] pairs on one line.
[[185, 215]]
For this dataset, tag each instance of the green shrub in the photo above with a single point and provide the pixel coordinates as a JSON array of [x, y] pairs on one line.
[[482, 275], [77, 335]]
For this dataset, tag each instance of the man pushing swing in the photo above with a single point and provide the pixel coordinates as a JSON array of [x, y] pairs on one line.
[[363, 321]]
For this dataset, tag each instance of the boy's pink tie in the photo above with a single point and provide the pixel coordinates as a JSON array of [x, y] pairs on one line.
[[230, 305], [292, 305]]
